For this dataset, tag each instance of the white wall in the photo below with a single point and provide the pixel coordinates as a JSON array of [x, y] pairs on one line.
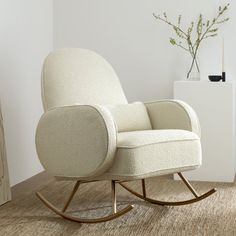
[[127, 35], [26, 38]]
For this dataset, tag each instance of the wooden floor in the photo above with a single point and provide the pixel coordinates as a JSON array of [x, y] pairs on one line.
[[26, 215], [30, 185]]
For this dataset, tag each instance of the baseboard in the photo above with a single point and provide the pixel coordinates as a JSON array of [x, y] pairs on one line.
[[30, 184]]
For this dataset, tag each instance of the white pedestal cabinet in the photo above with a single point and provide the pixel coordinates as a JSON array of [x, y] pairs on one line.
[[214, 103]]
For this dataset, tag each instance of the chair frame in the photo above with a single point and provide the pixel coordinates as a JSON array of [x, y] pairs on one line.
[[115, 214]]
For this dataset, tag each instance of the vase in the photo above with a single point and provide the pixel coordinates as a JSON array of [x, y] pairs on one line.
[[193, 70]]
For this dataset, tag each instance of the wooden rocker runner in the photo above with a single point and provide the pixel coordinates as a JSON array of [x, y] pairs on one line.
[[196, 198], [110, 139], [62, 213], [116, 214]]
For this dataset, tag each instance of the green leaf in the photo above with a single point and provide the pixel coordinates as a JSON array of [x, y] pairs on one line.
[[172, 41], [213, 30], [222, 21], [199, 25], [212, 35]]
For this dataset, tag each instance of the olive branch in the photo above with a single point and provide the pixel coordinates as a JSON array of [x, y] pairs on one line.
[[190, 42]]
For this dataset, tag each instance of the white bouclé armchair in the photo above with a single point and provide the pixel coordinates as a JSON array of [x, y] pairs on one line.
[[89, 132]]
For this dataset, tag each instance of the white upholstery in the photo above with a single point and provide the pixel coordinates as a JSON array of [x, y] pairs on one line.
[[76, 140], [173, 114], [79, 76], [130, 117], [89, 131], [154, 152]]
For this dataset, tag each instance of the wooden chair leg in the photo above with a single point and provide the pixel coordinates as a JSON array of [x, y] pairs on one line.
[[144, 188], [71, 196], [113, 195], [190, 187]]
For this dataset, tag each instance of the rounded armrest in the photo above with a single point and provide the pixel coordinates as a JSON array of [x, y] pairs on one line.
[[173, 114], [76, 141]]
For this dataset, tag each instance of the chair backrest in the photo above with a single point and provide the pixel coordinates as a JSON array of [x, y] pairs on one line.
[[79, 76]]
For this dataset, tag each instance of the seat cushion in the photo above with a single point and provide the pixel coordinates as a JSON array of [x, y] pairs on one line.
[[130, 117], [155, 152]]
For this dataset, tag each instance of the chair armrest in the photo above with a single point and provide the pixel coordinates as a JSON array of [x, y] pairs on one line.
[[173, 114], [76, 141]]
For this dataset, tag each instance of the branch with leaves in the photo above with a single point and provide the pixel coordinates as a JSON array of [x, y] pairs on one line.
[[191, 38]]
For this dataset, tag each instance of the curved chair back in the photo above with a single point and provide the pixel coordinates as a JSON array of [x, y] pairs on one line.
[[79, 76]]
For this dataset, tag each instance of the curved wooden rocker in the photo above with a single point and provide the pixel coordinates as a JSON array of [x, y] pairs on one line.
[[84, 220], [196, 198]]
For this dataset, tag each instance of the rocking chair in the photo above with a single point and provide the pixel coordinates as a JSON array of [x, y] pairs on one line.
[[89, 132]]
